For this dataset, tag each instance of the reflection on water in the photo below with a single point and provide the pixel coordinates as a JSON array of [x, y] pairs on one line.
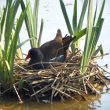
[[53, 19], [98, 102], [93, 103], [68, 105]]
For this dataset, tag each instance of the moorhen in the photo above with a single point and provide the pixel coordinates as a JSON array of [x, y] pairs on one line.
[[36, 58], [52, 48]]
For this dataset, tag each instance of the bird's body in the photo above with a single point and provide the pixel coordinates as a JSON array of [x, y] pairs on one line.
[[52, 48]]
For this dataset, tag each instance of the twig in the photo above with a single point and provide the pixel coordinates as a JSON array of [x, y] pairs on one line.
[[65, 94], [20, 67], [6, 90], [17, 94], [91, 86], [101, 55], [102, 80], [56, 79], [103, 69], [78, 92], [53, 92], [35, 93], [0, 90], [84, 83]]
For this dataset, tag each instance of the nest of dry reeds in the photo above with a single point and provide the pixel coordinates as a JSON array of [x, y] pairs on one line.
[[60, 81]]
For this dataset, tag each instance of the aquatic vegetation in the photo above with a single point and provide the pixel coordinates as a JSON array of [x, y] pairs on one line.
[[75, 27], [9, 39], [31, 21], [92, 32], [94, 27]]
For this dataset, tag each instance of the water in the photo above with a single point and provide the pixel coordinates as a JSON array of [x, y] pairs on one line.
[[99, 102], [53, 19]]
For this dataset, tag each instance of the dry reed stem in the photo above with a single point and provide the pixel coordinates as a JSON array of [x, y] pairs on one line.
[[20, 100]]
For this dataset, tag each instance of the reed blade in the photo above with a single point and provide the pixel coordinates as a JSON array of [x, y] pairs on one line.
[[66, 17], [93, 33]]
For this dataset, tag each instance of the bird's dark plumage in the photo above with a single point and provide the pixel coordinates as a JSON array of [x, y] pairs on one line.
[[66, 42], [36, 58]]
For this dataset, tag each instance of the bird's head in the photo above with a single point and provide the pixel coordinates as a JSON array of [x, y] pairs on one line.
[[67, 40], [34, 53]]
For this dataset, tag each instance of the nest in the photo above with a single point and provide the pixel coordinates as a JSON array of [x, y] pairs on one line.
[[60, 81]]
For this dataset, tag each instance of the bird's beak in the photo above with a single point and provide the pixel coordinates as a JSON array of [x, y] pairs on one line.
[[27, 57]]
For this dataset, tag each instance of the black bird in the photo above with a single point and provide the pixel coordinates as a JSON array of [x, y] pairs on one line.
[[36, 58]]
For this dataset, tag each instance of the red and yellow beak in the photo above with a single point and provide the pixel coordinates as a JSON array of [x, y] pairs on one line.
[[27, 57]]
